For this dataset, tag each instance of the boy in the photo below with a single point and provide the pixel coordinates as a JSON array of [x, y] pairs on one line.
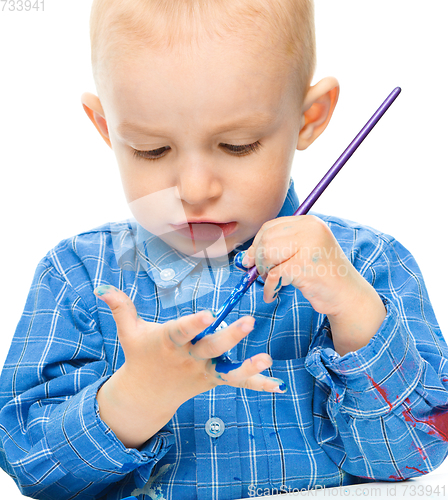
[[96, 406]]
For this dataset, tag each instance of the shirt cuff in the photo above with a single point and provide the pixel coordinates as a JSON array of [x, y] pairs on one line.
[[88, 448], [374, 379]]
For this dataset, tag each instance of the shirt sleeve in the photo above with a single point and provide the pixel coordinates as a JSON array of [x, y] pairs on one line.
[[381, 412], [53, 441]]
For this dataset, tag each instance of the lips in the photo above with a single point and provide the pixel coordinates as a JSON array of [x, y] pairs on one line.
[[206, 231]]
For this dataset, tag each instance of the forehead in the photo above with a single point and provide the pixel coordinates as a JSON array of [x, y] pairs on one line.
[[236, 83], [253, 121]]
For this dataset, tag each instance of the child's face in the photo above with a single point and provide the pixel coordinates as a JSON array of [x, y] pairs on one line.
[[194, 114]]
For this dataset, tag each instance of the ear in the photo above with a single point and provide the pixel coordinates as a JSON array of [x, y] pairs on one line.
[[94, 110], [318, 107]]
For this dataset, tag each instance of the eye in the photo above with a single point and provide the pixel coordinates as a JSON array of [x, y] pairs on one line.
[[244, 149], [154, 154]]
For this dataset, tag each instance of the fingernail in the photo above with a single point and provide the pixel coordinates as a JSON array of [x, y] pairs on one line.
[[103, 289], [245, 261], [208, 316], [281, 388], [246, 327]]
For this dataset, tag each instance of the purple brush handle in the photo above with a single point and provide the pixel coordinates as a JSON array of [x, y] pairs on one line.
[[252, 273], [340, 162]]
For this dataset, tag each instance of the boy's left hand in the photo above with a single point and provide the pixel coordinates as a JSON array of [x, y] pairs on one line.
[[302, 251]]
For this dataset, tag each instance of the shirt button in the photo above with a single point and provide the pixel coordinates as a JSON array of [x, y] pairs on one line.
[[214, 427], [167, 274]]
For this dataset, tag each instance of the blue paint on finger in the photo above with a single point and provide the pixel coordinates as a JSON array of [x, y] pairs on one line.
[[238, 261], [103, 289], [279, 284], [234, 297], [223, 364]]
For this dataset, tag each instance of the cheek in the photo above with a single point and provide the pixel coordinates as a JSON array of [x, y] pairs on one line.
[[262, 204], [139, 178], [124, 161], [268, 187]]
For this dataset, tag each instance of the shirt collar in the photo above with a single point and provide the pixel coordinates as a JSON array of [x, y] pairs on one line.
[[139, 249], [165, 265]]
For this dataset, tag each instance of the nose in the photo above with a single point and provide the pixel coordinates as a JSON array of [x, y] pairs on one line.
[[198, 182]]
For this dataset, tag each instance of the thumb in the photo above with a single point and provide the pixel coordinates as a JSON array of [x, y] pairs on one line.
[[238, 261], [121, 306]]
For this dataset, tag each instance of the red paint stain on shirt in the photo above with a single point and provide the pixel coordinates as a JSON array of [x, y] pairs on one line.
[[437, 420], [418, 470], [397, 478], [381, 391], [422, 453]]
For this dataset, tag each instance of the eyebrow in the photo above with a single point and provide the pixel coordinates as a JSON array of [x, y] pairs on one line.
[[257, 121]]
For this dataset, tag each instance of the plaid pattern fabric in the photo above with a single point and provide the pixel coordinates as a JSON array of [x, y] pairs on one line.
[[377, 413]]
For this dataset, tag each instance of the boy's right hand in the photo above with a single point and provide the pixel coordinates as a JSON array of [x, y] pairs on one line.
[[163, 369]]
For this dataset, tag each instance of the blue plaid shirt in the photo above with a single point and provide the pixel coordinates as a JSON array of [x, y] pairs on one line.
[[377, 413]]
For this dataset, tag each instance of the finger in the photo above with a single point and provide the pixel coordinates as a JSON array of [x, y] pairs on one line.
[[237, 375], [250, 257], [273, 244], [265, 384], [249, 376], [248, 260], [238, 261], [122, 308], [216, 344], [278, 277], [265, 227], [184, 329]]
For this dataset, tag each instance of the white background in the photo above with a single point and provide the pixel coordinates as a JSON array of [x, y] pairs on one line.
[[59, 178]]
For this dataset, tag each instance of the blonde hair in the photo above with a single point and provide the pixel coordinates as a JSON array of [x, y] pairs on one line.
[[118, 27]]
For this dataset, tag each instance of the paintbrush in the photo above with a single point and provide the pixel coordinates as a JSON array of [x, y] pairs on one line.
[[223, 362]]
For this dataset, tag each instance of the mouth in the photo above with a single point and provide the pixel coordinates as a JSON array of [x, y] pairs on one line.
[[205, 230]]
